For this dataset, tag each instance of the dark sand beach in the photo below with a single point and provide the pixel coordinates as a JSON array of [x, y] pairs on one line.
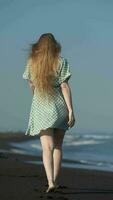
[[20, 181]]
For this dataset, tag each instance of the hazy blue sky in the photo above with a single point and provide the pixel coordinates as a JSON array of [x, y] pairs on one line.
[[85, 30]]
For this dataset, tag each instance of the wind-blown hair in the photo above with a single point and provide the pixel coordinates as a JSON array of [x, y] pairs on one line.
[[44, 60]]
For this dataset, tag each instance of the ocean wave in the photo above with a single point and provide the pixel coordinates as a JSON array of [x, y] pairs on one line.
[[85, 139], [78, 143], [88, 136]]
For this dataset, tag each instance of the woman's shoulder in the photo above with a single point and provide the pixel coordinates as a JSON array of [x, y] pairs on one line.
[[62, 60]]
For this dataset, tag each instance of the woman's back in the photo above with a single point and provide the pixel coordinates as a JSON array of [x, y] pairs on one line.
[[63, 72], [45, 113]]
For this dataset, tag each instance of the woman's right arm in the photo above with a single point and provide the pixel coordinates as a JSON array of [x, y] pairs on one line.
[[66, 91]]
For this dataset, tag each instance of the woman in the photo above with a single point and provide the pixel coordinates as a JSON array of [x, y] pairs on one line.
[[51, 111]]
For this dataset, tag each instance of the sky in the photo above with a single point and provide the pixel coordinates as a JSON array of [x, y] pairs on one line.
[[85, 31]]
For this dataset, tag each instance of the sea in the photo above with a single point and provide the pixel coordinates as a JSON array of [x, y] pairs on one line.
[[80, 150]]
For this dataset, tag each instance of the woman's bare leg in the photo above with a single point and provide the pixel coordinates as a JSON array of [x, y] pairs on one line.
[[46, 139], [57, 153]]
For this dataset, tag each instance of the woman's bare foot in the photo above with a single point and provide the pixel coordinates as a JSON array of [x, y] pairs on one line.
[[51, 189]]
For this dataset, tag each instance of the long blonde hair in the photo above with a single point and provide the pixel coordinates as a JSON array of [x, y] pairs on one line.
[[44, 60]]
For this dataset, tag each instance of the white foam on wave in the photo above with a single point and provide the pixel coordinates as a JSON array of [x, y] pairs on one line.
[[36, 146], [83, 161], [78, 143], [98, 136], [18, 151]]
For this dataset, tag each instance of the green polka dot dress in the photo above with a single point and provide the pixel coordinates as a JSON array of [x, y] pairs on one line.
[[45, 114]]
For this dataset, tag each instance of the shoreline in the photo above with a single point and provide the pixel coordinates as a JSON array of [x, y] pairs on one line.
[[20, 180], [6, 138]]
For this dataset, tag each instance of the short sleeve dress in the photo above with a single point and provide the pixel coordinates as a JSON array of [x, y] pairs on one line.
[[44, 114]]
